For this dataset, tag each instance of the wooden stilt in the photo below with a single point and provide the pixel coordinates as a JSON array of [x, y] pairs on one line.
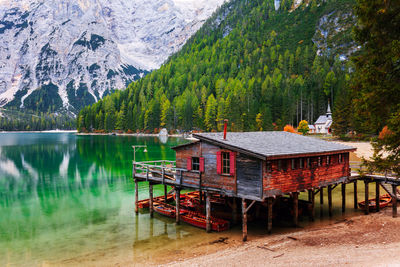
[[321, 201], [165, 194], [151, 206], [355, 195], [394, 201], [321, 195], [136, 196], [366, 198], [234, 211], [270, 200], [343, 197], [244, 219], [330, 200], [295, 197], [208, 213], [377, 194], [178, 204], [311, 198]]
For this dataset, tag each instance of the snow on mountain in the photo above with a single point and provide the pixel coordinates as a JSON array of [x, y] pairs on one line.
[[66, 54]]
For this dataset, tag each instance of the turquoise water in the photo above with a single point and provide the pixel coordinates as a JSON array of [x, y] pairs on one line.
[[64, 196]]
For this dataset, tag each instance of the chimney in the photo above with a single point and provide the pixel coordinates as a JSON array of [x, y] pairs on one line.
[[225, 128]]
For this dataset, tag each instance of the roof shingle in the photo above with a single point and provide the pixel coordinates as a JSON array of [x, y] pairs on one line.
[[270, 144]]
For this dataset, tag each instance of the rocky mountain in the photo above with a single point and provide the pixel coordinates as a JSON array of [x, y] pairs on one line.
[[59, 55]]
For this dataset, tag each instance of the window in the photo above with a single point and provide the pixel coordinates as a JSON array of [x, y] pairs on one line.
[[195, 163], [308, 163], [225, 163], [328, 160], [293, 164], [279, 165], [319, 161], [340, 158], [301, 163]]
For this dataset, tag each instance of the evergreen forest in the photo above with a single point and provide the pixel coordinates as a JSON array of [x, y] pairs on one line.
[[256, 66]]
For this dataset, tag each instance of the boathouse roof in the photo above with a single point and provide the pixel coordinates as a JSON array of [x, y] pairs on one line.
[[273, 144]]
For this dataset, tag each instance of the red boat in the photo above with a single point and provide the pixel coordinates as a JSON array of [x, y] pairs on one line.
[[383, 202], [166, 209], [145, 203], [199, 220], [191, 217]]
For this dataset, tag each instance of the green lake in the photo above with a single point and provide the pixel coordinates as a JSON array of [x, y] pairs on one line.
[[66, 198]]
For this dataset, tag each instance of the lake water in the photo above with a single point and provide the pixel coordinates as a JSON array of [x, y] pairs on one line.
[[66, 199]]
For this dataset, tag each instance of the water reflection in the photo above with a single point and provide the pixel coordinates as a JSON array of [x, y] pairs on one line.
[[62, 194]]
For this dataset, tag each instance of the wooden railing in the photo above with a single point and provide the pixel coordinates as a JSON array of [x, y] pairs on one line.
[[164, 171]]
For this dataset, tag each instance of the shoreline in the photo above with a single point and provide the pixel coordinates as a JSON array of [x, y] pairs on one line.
[[45, 131]]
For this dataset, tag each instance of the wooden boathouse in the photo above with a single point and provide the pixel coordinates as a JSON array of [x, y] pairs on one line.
[[253, 167]]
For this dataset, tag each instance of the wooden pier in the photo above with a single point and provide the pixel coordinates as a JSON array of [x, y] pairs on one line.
[[237, 168]]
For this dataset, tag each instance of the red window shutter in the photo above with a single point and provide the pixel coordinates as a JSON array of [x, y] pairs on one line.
[[232, 161], [189, 164], [201, 165], [219, 162]]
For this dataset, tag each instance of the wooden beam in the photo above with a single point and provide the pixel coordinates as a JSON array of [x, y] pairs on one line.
[[366, 197], [311, 198], [378, 195], [394, 201], [151, 205], [321, 201], [270, 201], [355, 195], [343, 197], [208, 213], [295, 197], [330, 200], [178, 204], [165, 194], [136, 196], [252, 203], [244, 219]]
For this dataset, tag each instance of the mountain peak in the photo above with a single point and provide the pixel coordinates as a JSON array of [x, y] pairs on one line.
[[87, 48]]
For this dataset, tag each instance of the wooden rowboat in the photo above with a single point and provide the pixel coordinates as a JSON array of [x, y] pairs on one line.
[[166, 209], [199, 220], [191, 217], [383, 202], [145, 203]]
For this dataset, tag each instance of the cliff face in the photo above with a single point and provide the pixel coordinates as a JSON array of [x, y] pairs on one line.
[[62, 55]]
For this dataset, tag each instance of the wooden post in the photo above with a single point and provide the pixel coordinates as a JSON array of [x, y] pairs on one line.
[[377, 194], [269, 217], [295, 197], [234, 211], [330, 200], [394, 201], [165, 194], [244, 219], [355, 195], [136, 196], [321, 201], [151, 206], [201, 197], [311, 198], [343, 197], [366, 197], [178, 204], [321, 196], [208, 213]]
